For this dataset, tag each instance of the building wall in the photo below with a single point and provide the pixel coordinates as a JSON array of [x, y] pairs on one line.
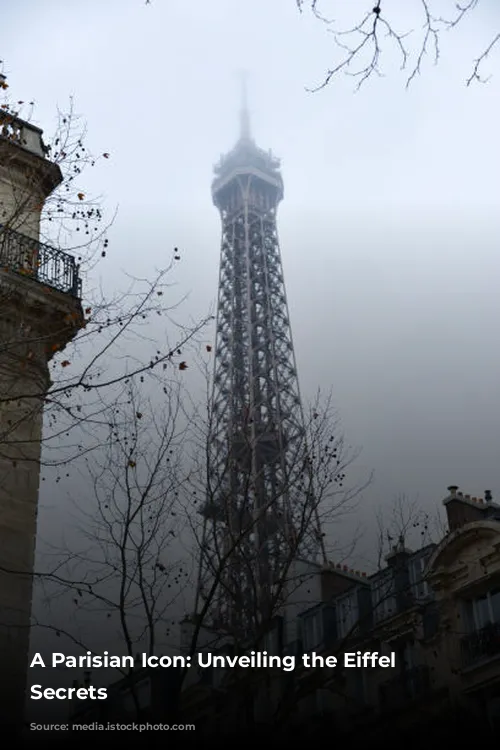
[[35, 321], [303, 591], [26, 176], [20, 202], [465, 576], [20, 440]]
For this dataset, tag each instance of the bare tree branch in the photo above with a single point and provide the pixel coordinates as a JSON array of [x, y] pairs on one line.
[[364, 43]]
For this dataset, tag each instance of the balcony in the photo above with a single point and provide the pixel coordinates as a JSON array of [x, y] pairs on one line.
[[405, 688], [21, 133], [481, 645], [42, 263]]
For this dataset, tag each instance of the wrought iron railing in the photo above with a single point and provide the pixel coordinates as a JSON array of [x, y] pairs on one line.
[[481, 644], [406, 687], [38, 261]]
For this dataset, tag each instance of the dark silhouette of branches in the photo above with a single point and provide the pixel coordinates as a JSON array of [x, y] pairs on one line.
[[112, 339], [322, 497], [120, 567], [413, 31]]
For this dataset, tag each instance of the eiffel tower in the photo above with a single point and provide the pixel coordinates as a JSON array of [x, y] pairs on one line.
[[259, 494]]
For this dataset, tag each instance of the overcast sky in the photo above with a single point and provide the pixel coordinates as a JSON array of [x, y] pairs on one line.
[[389, 227]]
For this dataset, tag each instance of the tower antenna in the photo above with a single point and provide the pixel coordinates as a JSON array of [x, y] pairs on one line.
[[245, 133]]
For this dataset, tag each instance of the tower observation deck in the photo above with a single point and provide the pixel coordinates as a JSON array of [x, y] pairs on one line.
[[258, 495]]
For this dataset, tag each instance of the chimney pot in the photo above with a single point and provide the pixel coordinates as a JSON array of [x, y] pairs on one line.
[[487, 496], [452, 489]]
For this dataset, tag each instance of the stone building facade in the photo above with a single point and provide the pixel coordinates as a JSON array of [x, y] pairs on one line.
[[40, 312], [437, 609]]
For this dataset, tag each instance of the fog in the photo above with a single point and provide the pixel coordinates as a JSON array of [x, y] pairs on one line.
[[389, 226]]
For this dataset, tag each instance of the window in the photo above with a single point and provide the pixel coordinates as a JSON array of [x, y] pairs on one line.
[[483, 610], [419, 588], [312, 630], [383, 597], [430, 621], [406, 656], [272, 641], [347, 613]]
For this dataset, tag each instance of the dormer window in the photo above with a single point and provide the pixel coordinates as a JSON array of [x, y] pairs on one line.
[[419, 588], [347, 613], [384, 597], [312, 630]]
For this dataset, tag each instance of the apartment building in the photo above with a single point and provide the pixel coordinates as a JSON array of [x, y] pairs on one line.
[[437, 609]]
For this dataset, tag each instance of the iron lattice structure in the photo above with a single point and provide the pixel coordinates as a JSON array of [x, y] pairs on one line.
[[259, 489]]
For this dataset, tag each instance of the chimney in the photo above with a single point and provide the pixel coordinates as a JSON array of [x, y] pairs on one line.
[[460, 509], [398, 554], [86, 677], [487, 496]]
